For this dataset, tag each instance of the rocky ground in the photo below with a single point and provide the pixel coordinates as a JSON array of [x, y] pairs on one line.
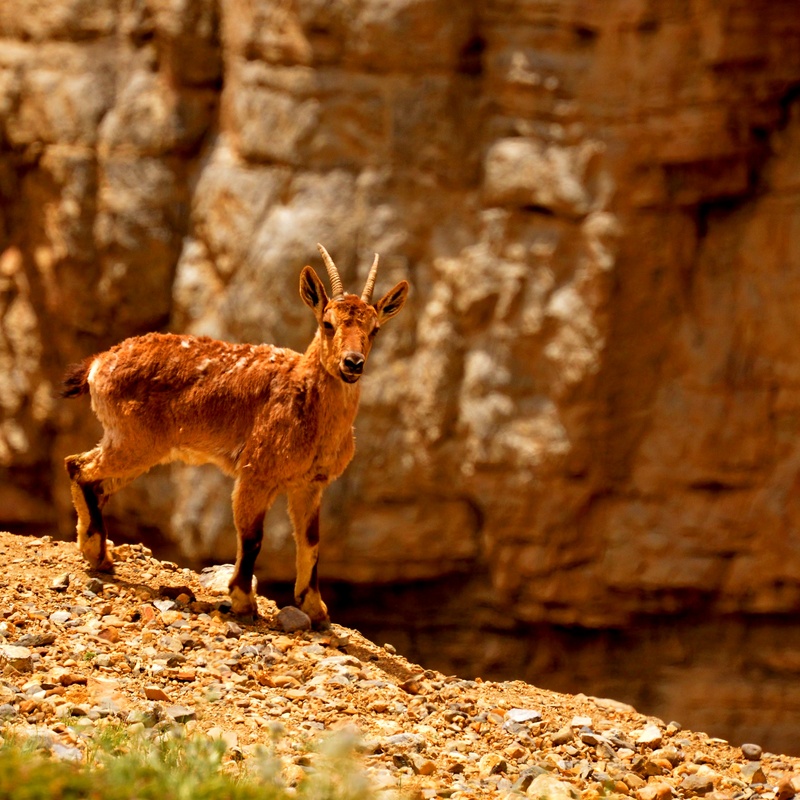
[[154, 646]]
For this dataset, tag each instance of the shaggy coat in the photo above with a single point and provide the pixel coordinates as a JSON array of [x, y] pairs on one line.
[[275, 420]]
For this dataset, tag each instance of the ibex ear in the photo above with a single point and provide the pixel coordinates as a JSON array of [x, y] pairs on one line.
[[313, 292], [392, 301]]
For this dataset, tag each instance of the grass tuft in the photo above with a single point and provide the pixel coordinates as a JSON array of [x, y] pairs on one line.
[[120, 765]]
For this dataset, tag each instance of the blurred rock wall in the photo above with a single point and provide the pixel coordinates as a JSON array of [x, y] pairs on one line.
[[593, 397]]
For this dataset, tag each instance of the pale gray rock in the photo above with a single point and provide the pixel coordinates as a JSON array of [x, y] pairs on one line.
[[292, 619]]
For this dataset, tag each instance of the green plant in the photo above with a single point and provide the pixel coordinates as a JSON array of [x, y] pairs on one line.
[[120, 765]]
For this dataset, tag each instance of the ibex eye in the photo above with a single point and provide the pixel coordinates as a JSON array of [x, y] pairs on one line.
[[328, 326]]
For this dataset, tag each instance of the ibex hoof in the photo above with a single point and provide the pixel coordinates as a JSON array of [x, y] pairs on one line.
[[321, 624], [99, 560], [243, 605]]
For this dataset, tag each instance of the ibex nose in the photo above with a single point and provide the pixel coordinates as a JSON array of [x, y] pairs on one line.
[[353, 362]]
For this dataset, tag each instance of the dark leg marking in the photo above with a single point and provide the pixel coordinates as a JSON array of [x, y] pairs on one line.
[[250, 548], [92, 493], [312, 531]]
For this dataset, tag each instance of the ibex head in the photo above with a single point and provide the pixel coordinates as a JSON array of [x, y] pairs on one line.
[[347, 323]]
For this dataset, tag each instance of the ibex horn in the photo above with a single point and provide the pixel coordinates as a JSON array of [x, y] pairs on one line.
[[366, 295], [336, 282]]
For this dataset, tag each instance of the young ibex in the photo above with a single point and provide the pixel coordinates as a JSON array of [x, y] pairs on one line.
[[275, 420]]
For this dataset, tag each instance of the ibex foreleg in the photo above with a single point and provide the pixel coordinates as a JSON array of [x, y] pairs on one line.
[[304, 511], [251, 501]]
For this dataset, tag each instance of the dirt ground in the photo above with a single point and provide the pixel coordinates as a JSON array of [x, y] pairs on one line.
[[153, 645]]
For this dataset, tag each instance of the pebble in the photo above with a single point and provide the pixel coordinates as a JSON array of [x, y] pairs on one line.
[[655, 791], [16, 657], [61, 582], [94, 585], [649, 736], [292, 620], [491, 764], [180, 713], [156, 693], [697, 785], [752, 752], [552, 788], [563, 736], [753, 773], [523, 715]]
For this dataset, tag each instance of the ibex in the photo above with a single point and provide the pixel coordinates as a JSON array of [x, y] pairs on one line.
[[273, 419]]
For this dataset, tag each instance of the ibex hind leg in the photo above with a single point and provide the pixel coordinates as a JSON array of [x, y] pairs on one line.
[[93, 481], [88, 499]]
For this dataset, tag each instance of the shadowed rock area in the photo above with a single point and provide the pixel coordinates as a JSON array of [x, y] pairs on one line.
[[587, 415]]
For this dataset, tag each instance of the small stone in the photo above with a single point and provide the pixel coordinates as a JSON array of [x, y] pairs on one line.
[[491, 764], [156, 693], [164, 605], [650, 736], [753, 773], [523, 715], [147, 614], [66, 753], [633, 781], [515, 751], [60, 583], [19, 658], [109, 634], [674, 727], [785, 789], [217, 578], [670, 754], [180, 714], [94, 585], [697, 785], [549, 786], [71, 679], [292, 620], [35, 640], [232, 630], [7, 710], [563, 735], [752, 752], [654, 791], [390, 648], [591, 738], [172, 617], [60, 617], [422, 765], [415, 685]]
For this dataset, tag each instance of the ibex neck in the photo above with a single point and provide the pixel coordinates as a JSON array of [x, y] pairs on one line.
[[331, 387]]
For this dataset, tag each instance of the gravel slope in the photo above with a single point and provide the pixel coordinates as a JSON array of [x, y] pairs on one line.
[[153, 645]]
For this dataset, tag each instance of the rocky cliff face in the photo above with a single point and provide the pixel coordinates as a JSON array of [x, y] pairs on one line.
[[592, 399]]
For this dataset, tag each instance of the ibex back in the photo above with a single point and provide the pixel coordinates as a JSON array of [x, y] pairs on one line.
[[276, 420]]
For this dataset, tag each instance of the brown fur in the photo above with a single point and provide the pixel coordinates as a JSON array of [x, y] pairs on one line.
[[275, 420]]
